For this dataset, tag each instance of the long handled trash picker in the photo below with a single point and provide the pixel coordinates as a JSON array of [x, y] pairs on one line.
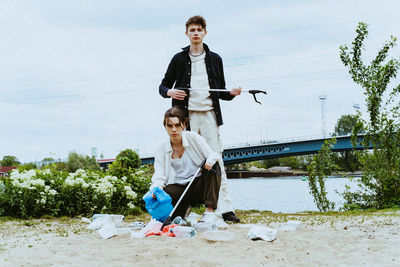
[[167, 221], [253, 92]]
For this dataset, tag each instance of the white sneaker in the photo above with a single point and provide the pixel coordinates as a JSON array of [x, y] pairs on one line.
[[208, 217]]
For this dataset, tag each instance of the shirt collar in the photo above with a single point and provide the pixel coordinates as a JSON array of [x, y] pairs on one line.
[[184, 142]]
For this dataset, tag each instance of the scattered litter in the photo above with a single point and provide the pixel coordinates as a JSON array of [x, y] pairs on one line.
[[110, 225], [178, 220], [153, 224], [108, 231], [183, 231], [123, 230], [218, 235], [137, 225], [262, 233], [164, 232], [100, 220], [220, 223], [290, 225], [205, 226], [193, 218]]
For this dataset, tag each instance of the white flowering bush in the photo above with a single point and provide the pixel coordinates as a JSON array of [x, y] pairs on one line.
[[35, 193]]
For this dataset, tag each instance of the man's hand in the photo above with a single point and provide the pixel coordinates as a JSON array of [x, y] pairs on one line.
[[176, 94], [207, 166], [236, 91]]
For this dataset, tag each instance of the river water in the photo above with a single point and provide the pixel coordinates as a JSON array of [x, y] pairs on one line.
[[283, 194]]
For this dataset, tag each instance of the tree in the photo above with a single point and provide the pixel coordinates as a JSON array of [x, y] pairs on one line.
[[380, 182], [126, 162], [346, 124], [347, 160], [321, 166], [76, 161], [9, 161]]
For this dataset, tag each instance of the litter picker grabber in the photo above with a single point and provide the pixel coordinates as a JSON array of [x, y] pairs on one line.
[[168, 220], [253, 92]]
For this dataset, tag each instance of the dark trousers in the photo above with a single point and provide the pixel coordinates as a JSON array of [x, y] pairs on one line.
[[204, 190]]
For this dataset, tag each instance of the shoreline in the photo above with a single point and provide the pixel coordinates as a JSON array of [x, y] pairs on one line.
[[239, 174], [264, 174]]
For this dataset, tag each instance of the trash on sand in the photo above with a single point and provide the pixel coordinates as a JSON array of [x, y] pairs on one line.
[[137, 225], [151, 225], [108, 231], [205, 226], [164, 232], [108, 225], [193, 218], [100, 220], [218, 235], [183, 231], [159, 207], [179, 220], [290, 225], [262, 233]]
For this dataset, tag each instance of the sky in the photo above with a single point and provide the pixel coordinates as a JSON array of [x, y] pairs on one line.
[[78, 74]]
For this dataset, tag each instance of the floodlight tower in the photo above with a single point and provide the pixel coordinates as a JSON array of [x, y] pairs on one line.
[[322, 98]]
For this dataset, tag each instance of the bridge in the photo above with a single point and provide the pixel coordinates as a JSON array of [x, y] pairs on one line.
[[274, 149]]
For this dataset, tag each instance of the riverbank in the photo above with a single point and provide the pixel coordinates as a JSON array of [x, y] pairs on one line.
[[333, 239]]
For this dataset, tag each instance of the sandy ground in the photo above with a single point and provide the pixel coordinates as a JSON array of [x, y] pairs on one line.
[[358, 240]]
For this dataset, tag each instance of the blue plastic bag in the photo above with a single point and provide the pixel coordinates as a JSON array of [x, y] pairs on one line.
[[159, 207]]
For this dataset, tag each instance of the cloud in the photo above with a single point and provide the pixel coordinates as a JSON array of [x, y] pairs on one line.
[[82, 74]]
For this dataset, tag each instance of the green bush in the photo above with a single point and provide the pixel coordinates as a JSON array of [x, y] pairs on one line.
[[36, 193]]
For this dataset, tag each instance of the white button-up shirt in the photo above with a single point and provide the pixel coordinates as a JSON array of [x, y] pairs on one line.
[[197, 148]]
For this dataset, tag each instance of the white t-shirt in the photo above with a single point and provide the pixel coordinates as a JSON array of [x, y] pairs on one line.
[[184, 169], [199, 100]]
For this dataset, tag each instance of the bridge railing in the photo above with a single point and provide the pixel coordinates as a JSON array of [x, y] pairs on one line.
[[283, 140]]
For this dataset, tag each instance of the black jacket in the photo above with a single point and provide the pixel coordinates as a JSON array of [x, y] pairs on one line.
[[179, 71]]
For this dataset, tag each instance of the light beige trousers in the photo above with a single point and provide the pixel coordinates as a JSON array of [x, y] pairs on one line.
[[205, 124]]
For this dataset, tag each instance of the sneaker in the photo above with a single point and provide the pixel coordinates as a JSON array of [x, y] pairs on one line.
[[208, 217], [230, 217]]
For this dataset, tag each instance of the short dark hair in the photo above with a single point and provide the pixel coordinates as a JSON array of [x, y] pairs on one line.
[[198, 20], [175, 112]]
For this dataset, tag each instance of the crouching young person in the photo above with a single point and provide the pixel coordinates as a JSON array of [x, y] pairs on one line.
[[178, 159]]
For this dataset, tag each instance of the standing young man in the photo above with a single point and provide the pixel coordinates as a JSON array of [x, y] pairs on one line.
[[198, 68]]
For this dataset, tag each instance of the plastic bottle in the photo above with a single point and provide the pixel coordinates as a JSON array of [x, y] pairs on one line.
[[205, 226], [183, 231], [179, 220]]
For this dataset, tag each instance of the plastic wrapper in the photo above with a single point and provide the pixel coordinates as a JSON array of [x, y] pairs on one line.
[[262, 233]]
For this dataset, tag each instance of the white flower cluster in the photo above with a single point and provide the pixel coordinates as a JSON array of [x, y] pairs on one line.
[[129, 192], [25, 179], [77, 178], [106, 186]]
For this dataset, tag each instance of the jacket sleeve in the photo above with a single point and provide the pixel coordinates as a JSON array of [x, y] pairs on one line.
[[169, 79], [223, 95], [159, 179]]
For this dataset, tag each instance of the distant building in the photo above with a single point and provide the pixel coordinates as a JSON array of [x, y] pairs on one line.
[[4, 170]]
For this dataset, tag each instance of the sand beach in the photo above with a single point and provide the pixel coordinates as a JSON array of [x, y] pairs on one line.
[[362, 239]]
